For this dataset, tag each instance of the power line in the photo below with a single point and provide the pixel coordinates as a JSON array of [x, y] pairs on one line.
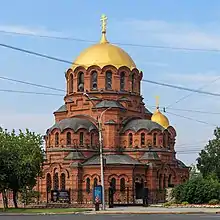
[[192, 119], [27, 92], [118, 43], [180, 87], [144, 80], [190, 94], [32, 84]]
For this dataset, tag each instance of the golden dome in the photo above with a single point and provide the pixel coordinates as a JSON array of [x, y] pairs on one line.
[[103, 54], [159, 118]]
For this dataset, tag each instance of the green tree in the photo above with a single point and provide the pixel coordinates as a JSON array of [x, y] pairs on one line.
[[208, 161], [22, 160]]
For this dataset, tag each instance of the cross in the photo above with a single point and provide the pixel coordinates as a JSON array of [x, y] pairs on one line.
[[157, 101], [103, 20]]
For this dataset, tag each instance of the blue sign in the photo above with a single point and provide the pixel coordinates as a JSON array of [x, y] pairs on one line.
[[97, 194]]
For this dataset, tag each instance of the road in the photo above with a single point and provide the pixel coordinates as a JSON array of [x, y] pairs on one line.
[[113, 217]]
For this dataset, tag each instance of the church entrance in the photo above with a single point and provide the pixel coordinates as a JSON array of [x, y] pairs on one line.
[[139, 189]]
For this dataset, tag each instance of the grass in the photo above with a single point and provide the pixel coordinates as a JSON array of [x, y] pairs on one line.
[[46, 210]]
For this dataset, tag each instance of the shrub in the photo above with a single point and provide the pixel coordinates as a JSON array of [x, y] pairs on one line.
[[213, 202], [197, 191], [185, 203], [167, 204]]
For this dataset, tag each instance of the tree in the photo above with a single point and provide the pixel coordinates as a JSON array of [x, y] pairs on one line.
[[208, 161], [22, 160]]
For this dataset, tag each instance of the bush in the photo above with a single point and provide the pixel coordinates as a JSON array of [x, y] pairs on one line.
[[197, 191], [185, 203], [213, 202], [167, 204]]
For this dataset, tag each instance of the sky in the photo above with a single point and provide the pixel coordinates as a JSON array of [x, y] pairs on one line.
[[170, 23]]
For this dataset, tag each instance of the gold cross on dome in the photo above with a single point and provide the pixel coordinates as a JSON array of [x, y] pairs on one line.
[[104, 22], [157, 101]]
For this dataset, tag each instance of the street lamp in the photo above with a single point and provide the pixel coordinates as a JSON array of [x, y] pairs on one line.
[[100, 147]]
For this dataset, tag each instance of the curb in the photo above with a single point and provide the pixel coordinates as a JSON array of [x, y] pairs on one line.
[[38, 214], [156, 212]]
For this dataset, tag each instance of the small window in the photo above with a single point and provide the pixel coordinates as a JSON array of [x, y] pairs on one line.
[[81, 138], [122, 81], [49, 182], [130, 139], [170, 180], [92, 139], [63, 181], [95, 182], [88, 185], [80, 82], [142, 139], [132, 82], [57, 138], [113, 184], [56, 181], [68, 138], [154, 139], [71, 83], [94, 84], [108, 80], [122, 184], [160, 182]]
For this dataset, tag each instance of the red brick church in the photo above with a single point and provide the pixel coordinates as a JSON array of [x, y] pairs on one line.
[[138, 146]]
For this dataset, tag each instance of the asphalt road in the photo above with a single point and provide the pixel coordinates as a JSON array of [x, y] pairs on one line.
[[113, 217]]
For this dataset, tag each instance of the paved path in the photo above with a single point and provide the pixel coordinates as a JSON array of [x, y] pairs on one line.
[[113, 217]]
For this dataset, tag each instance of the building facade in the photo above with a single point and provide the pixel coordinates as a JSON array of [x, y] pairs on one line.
[[104, 82]]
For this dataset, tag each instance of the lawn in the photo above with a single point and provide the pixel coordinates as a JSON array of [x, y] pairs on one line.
[[56, 210]]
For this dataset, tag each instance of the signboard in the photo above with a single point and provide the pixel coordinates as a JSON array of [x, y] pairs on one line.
[[60, 196], [97, 195]]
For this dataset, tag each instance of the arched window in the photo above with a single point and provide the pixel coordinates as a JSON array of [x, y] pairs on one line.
[[122, 81], [71, 83], [92, 139], [88, 185], [57, 139], [68, 138], [113, 184], [81, 138], [94, 84], [130, 141], [164, 181], [132, 82], [161, 182], [164, 139], [142, 139], [56, 181], [170, 180], [108, 80], [154, 139], [63, 181], [80, 82], [49, 182], [95, 182], [122, 184]]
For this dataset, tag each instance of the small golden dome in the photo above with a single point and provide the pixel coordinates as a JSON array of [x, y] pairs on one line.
[[103, 54], [159, 118]]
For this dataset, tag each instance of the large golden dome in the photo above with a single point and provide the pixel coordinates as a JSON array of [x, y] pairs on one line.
[[160, 119], [103, 54]]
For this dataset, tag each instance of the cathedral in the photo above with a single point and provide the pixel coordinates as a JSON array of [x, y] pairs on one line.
[[103, 98]]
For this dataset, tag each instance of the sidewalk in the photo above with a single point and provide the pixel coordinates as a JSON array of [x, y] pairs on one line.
[[156, 210]]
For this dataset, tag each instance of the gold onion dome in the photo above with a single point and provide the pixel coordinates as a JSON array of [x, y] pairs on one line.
[[103, 54], [160, 118]]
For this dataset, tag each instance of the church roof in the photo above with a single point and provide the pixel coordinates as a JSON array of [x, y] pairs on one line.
[[181, 164], [74, 124], [109, 103], [115, 159], [147, 111], [61, 109], [150, 155], [138, 124], [75, 155]]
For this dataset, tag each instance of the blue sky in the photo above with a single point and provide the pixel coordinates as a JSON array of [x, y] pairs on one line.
[[184, 23]]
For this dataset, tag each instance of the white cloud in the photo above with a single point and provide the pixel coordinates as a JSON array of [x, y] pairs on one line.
[[176, 34]]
